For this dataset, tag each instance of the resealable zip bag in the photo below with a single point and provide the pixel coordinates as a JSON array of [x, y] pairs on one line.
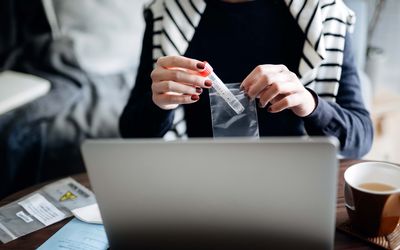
[[228, 123], [44, 207]]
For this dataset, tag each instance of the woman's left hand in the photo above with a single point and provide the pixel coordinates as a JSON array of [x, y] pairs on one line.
[[277, 85]]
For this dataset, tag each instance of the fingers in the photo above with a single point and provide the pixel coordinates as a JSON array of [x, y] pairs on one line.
[[180, 62], [268, 82], [169, 101], [287, 102], [169, 94], [176, 81], [272, 91], [262, 70], [180, 76], [171, 86], [274, 82]]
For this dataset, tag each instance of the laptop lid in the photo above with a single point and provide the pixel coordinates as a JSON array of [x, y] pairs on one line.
[[216, 193]]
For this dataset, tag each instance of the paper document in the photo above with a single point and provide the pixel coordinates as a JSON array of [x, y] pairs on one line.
[[77, 235], [40, 208], [48, 205]]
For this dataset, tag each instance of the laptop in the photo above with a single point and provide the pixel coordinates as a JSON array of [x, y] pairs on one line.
[[216, 194]]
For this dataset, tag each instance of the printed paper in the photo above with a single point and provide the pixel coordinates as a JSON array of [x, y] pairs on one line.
[[40, 208]]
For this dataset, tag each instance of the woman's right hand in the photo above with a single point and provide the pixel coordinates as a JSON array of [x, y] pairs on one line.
[[176, 80]]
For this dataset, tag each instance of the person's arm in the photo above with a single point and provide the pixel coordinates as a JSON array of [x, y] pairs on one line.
[[347, 119], [141, 118]]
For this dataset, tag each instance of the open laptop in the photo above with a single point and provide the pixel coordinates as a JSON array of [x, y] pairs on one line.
[[216, 194]]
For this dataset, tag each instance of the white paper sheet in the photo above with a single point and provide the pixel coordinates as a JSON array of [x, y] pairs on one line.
[[40, 208]]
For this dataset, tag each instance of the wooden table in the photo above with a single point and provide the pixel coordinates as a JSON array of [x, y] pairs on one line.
[[34, 240]]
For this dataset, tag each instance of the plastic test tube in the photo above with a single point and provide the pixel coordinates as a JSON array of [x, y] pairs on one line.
[[222, 90]]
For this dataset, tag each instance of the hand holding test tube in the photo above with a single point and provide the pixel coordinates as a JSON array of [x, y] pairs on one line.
[[222, 90], [176, 80], [180, 80]]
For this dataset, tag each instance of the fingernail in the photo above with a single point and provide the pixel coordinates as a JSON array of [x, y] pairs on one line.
[[269, 109], [261, 105], [208, 83], [195, 97], [199, 90], [200, 65]]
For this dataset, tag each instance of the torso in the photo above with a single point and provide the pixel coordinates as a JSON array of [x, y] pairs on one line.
[[236, 37]]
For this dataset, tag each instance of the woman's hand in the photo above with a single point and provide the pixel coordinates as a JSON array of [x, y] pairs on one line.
[[275, 84], [176, 80]]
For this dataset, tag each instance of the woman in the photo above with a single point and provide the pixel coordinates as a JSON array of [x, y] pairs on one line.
[[293, 56]]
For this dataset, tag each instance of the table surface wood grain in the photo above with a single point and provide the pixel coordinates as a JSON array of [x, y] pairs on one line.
[[34, 240]]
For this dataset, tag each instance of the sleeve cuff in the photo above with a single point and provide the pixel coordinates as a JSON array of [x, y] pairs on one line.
[[320, 118]]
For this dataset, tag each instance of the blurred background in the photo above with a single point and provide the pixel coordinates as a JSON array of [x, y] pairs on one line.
[[376, 39], [88, 52]]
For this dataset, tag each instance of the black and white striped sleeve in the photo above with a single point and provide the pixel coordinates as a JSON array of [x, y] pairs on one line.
[[347, 118]]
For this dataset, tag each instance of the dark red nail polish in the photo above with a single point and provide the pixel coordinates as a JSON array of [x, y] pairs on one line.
[[195, 97], [199, 90], [208, 83], [200, 66]]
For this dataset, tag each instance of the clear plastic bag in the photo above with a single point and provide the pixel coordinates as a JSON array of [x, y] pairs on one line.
[[226, 122], [44, 207]]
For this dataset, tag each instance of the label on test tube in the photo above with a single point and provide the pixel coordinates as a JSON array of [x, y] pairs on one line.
[[222, 90]]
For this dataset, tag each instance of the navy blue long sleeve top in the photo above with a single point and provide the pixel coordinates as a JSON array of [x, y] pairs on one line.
[[234, 39]]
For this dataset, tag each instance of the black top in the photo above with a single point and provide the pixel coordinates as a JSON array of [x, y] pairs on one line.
[[234, 39]]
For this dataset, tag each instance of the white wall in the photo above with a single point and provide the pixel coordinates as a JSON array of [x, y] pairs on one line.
[[387, 36]]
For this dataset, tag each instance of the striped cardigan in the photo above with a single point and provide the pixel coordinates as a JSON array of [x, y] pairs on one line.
[[324, 23]]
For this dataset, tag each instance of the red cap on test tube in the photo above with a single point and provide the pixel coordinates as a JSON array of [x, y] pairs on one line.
[[207, 69]]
